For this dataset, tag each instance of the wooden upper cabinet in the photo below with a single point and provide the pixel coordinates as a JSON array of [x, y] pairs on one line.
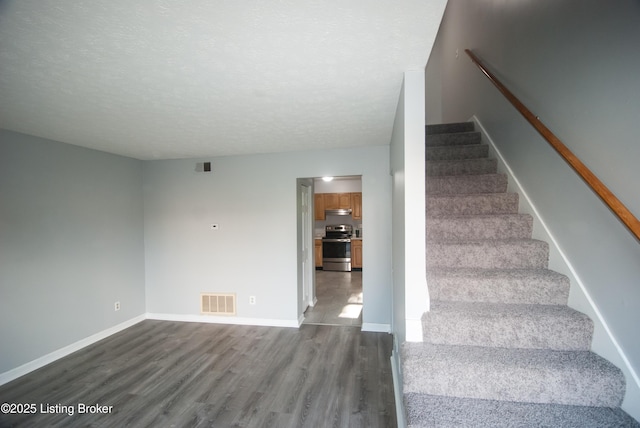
[[331, 201], [336, 201], [356, 206], [344, 201], [318, 206]]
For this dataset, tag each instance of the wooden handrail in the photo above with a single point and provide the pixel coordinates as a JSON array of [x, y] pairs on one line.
[[589, 177]]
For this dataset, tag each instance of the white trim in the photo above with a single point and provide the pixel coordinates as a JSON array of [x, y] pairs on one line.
[[266, 322], [300, 320], [377, 328], [565, 260], [397, 391], [417, 300], [63, 352]]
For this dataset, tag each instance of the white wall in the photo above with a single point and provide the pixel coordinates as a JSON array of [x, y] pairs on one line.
[[397, 161], [253, 199], [408, 172], [71, 244], [575, 64]]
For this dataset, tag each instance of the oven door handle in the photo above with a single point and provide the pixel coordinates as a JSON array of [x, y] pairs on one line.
[[336, 240]]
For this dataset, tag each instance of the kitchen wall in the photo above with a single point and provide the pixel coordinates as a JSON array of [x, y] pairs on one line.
[[254, 252], [338, 185], [575, 64], [71, 245]]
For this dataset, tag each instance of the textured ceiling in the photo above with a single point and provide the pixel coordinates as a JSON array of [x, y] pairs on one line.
[[161, 79]]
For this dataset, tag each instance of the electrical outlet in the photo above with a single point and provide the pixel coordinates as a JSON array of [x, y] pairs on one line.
[[116, 306], [252, 300]]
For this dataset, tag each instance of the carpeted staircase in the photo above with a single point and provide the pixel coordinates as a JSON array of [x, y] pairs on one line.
[[501, 347]]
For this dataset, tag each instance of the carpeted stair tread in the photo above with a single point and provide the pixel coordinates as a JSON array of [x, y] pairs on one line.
[[472, 151], [497, 226], [490, 203], [448, 412], [529, 326], [453, 139], [517, 286], [462, 167], [489, 254], [466, 184], [444, 128], [525, 375]]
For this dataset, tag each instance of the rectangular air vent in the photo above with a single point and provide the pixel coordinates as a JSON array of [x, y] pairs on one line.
[[218, 303]]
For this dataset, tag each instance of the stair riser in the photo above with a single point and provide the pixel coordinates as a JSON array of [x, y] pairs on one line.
[[494, 227], [496, 203], [424, 410], [457, 139], [465, 184], [462, 167], [457, 152], [447, 128], [489, 255], [530, 288], [556, 331]]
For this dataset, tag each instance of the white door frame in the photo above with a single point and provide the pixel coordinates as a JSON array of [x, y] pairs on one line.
[[308, 260]]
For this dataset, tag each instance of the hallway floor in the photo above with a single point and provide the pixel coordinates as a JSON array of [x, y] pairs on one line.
[[339, 297]]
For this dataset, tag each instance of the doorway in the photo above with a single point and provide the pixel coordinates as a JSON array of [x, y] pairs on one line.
[[338, 294]]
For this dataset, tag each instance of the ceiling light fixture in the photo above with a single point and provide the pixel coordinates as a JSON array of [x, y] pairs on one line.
[[327, 179]]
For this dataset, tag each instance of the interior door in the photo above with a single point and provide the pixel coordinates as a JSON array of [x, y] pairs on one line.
[[307, 246]]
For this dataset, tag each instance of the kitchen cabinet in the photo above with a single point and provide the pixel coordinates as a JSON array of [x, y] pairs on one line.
[[356, 206], [318, 206], [318, 252], [344, 201], [337, 201], [331, 201], [356, 253]]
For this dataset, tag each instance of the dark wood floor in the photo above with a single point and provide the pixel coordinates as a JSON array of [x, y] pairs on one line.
[[165, 374]]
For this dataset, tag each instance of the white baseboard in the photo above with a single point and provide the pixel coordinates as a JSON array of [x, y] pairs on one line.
[[397, 390], [558, 260], [63, 352], [378, 328], [266, 322]]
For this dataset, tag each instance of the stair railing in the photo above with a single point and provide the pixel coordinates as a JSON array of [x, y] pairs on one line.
[[618, 208]]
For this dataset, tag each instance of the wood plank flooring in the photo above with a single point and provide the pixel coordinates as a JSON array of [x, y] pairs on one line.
[[172, 374]]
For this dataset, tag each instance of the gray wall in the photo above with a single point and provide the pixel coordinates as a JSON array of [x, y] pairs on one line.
[[71, 244], [253, 198], [575, 63]]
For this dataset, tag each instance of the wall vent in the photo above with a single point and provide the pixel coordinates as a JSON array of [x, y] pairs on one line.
[[218, 303]]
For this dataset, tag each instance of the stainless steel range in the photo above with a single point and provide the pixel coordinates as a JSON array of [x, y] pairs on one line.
[[336, 248]]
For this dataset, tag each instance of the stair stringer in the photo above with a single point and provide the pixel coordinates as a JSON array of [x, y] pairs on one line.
[[603, 342]]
